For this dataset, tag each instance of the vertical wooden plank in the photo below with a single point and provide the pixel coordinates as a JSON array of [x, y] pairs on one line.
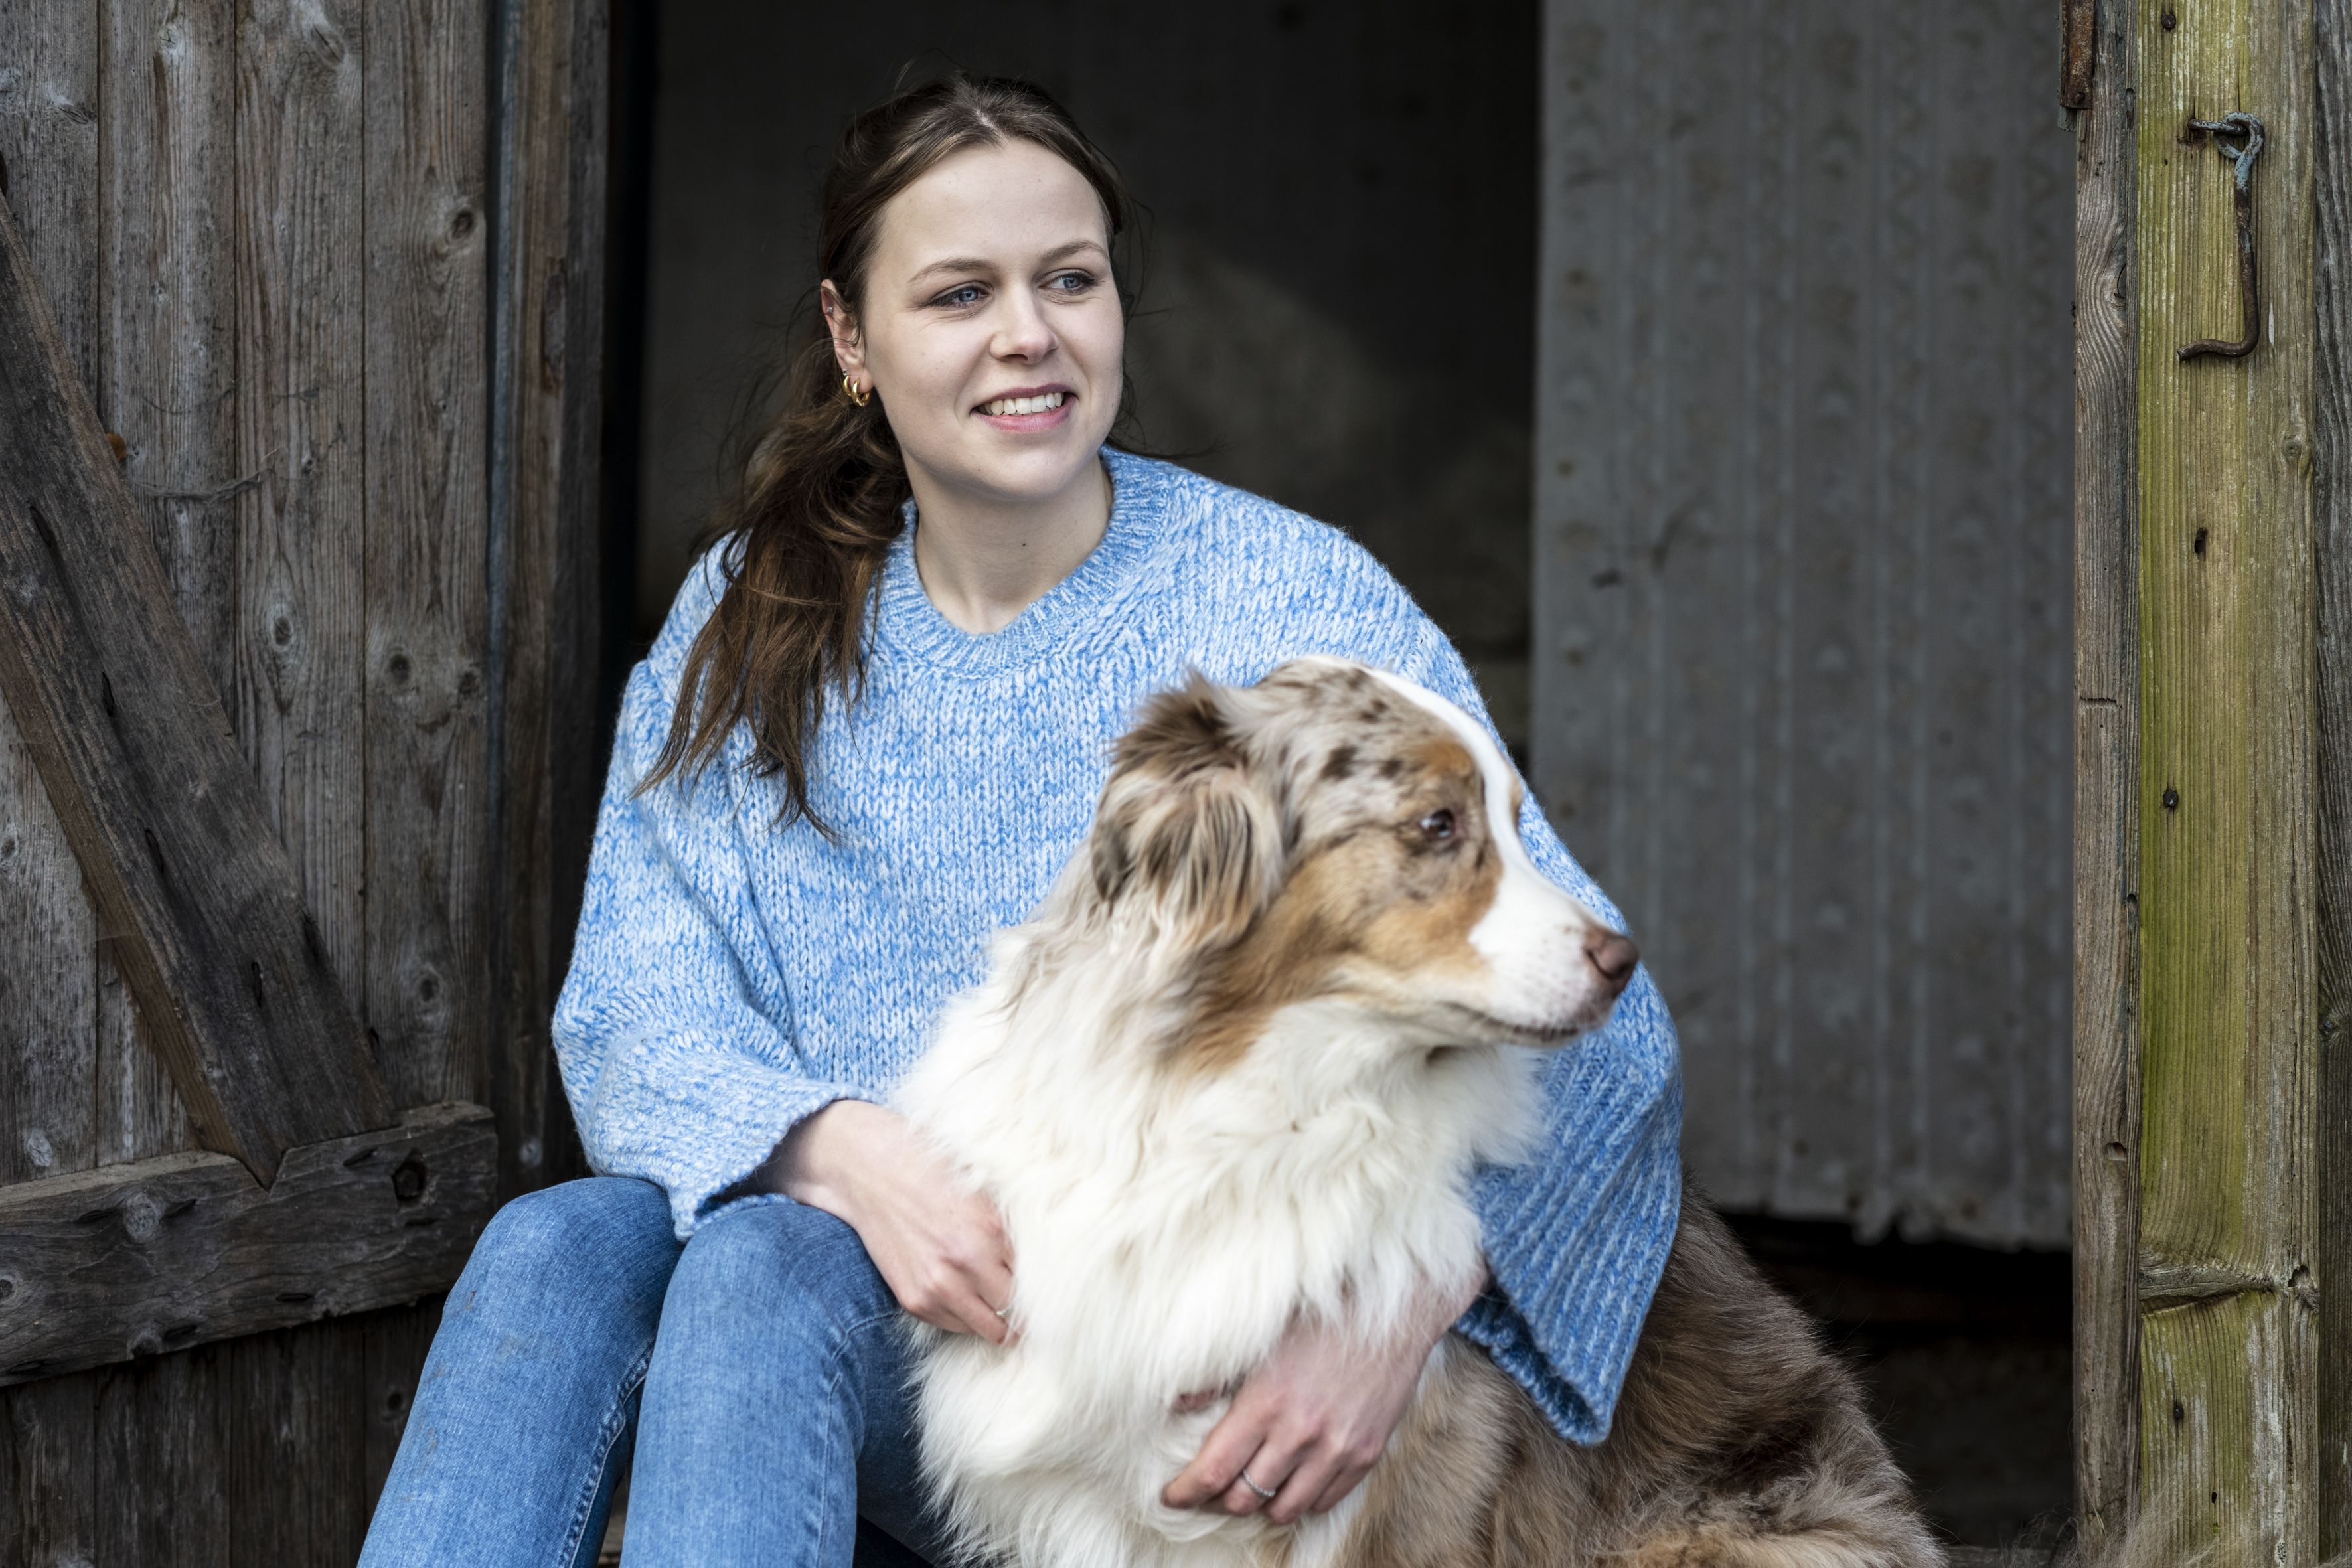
[[396, 1342], [2331, 186], [167, 188], [160, 1478], [302, 425], [168, 386], [547, 505], [2228, 1197], [2106, 804], [49, 108], [48, 1510], [49, 66], [295, 1451], [293, 1431], [427, 630]]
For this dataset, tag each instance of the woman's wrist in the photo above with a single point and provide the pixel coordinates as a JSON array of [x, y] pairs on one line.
[[1447, 1307], [816, 1163]]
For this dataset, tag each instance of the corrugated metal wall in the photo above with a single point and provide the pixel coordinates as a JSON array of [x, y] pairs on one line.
[[1803, 588]]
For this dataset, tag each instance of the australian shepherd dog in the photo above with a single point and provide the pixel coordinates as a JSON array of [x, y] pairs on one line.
[[1236, 1071]]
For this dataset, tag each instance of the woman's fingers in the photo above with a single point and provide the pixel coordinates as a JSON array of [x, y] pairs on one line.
[[1335, 1490], [1216, 1469], [1269, 1469], [980, 1317], [1304, 1488], [1276, 1467]]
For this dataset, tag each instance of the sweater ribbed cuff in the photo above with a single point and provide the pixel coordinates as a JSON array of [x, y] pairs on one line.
[[1577, 1240], [740, 1108]]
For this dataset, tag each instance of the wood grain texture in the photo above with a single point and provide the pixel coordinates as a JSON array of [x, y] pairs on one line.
[[167, 188], [183, 1249], [305, 251], [50, 970], [2106, 804], [131, 741], [1801, 696], [300, 400], [2227, 977], [49, 1003], [296, 1414], [547, 507], [423, 163], [48, 1511], [394, 1344], [161, 1436], [2331, 186]]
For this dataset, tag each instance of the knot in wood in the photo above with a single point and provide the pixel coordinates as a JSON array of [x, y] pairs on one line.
[[142, 1218], [408, 1178]]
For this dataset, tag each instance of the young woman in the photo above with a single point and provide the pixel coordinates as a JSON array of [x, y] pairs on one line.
[[870, 733]]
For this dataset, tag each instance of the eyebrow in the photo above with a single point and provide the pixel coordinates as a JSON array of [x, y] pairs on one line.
[[977, 263]]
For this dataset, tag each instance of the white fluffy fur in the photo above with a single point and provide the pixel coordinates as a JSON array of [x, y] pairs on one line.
[[1166, 1227]]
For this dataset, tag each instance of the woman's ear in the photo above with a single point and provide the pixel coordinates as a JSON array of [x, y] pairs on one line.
[[849, 347]]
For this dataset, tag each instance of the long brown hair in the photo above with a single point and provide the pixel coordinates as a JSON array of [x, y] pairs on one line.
[[812, 519]]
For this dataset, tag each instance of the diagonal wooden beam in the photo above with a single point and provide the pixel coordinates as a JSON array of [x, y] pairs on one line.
[[165, 816]]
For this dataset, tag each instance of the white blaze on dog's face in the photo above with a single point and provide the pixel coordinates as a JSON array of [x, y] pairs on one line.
[[1338, 835]]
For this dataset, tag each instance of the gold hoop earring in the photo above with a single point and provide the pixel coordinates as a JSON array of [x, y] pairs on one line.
[[852, 391]]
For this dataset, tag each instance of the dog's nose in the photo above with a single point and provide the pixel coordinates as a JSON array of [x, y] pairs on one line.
[[1613, 956]]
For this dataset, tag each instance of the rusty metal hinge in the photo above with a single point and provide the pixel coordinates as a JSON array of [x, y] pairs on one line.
[[2078, 24]]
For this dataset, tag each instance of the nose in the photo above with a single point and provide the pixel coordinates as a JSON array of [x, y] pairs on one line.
[[1613, 956], [1022, 332]]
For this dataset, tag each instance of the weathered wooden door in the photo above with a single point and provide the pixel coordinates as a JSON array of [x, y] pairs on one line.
[[301, 347]]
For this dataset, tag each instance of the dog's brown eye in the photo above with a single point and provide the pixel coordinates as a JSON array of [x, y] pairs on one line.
[[1438, 824]]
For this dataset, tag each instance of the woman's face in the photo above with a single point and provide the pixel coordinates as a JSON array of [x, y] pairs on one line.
[[990, 328]]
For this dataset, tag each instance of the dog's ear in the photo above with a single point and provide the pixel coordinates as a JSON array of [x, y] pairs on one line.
[[1188, 829]]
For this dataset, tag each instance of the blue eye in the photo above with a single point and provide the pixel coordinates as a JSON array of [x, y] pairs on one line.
[[969, 294], [1072, 283]]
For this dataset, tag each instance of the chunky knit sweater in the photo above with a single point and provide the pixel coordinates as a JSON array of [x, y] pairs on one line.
[[731, 978]]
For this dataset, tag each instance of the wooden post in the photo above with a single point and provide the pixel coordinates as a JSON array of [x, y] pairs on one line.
[[2212, 697]]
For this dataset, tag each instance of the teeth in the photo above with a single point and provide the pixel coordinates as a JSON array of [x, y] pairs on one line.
[[1025, 405]]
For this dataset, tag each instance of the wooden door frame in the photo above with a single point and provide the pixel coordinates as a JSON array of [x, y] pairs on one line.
[[2213, 804]]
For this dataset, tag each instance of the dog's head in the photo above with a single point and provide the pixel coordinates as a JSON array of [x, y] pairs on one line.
[[1337, 835]]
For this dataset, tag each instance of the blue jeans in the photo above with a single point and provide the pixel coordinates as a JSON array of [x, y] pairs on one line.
[[761, 1368]]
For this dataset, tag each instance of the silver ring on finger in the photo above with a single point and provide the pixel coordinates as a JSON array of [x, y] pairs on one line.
[[1265, 1493]]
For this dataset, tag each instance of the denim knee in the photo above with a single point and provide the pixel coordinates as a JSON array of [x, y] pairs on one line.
[[589, 1234], [787, 1263]]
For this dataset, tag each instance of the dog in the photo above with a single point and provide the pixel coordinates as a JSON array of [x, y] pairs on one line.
[[1237, 1071]]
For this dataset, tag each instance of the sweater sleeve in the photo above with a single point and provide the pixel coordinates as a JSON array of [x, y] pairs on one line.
[[672, 1032], [1578, 1236]]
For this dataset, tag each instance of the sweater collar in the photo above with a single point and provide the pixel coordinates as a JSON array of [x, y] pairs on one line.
[[907, 623]]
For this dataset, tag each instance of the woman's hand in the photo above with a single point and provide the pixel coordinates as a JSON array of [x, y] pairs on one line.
[[1310, 1423], [940, 1246]]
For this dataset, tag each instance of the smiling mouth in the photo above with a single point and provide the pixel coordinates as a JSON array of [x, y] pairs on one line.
[[1043, 403]]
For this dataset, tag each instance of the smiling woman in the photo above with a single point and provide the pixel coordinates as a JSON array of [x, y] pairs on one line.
[[997, 367]]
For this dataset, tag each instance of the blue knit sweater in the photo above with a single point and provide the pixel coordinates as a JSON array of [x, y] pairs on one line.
[[730, 977]]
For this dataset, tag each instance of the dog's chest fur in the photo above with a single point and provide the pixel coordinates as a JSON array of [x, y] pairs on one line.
[[1166, 1227]]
